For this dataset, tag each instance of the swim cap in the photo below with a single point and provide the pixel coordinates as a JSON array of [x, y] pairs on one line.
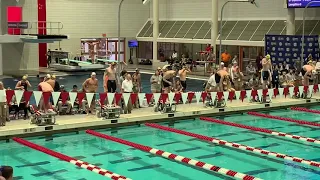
[[165, 66], [48, 76], [267, 56], [93, 74], [24, 77]]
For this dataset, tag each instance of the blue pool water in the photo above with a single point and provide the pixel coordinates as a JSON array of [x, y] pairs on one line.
[[121, 159]]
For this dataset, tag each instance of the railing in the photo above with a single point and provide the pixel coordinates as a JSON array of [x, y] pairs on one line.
[[38, 27]]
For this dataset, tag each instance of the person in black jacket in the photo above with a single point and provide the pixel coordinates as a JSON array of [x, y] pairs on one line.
[[275, 77]]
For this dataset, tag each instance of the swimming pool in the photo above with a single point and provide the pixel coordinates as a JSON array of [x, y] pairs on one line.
[[135, 164]]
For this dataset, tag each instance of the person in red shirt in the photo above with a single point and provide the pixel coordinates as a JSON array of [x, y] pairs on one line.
[[208, 48]]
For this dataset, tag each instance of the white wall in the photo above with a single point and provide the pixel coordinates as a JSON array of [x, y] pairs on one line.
[[92, 18], [201, 9], [19, 56]]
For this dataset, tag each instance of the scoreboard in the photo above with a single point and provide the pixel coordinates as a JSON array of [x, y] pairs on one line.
[[301, 3]]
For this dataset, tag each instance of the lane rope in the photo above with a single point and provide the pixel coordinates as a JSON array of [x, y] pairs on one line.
[[71, 160], [177, 158], [305, 110], [267, 131], [236, 145], [284, 119]]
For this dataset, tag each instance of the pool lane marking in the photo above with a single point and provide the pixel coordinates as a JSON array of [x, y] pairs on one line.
[[305, 110], [71, 160], [283, 119], [171, 156], [236, 145], [267, 131]]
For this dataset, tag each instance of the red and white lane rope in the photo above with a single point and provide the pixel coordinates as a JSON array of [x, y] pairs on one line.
[[305, 110], [284, 119], [71, 160], [267, 131], [171, 156], [236, 145]]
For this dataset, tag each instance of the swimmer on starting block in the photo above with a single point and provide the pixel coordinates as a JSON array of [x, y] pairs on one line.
[[266, 76]]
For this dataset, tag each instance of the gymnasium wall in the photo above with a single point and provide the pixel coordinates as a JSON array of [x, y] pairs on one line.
[[193, 10], [19, 56], [92, 18]]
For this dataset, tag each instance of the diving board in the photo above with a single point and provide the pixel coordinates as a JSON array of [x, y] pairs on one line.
[[107, 60]]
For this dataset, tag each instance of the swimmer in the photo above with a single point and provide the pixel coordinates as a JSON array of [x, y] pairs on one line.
[[136, 79], [167, 79], [23, 84], [44, 87], [112, 81], [223, 81], [183, 77], [50, 80], [266, 76], [90, 85], [6, 173], [211, 84]]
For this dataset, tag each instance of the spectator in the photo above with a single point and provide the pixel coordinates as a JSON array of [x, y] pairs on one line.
[[254, 83], [127, 87], [6, 173], [123, 75], [225, 57], [155, 81], [275, 77], [174, 55], [250, 70], [56, 86], [286, 66], [48, 57], [74, 88], [178, 86], [259, 61], [3, 106], [67, 103], [235, 59], [290, 76]]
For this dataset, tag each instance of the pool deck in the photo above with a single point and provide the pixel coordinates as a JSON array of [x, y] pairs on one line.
[[75, 123]]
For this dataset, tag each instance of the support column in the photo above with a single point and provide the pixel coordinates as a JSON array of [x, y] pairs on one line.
[[2, 20], [214, 25], [155, 17], [42, 25], [291, 16]]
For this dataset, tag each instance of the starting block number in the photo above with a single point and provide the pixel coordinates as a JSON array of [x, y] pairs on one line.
[[29, 130]]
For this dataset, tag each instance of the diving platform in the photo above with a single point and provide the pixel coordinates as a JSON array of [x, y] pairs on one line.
[[76, 65]]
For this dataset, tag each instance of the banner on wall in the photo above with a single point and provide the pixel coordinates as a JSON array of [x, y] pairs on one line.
[[288, 48]]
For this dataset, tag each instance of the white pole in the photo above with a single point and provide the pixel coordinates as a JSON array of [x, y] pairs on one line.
[[119, 41], [214, 25], [155, 18], [291, 16]]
